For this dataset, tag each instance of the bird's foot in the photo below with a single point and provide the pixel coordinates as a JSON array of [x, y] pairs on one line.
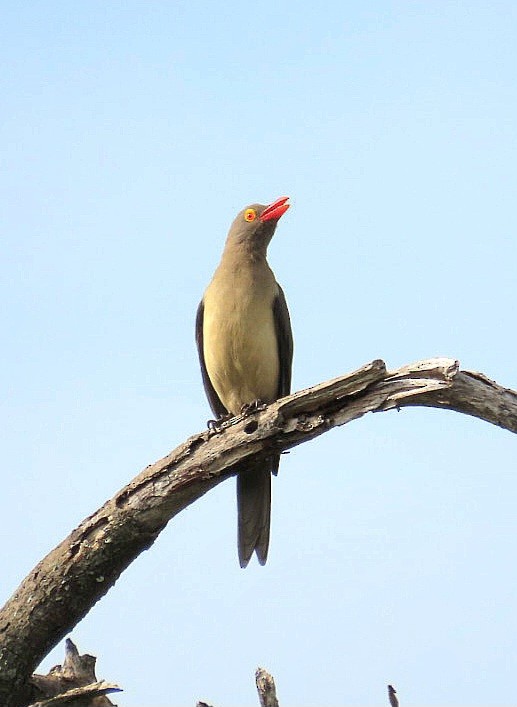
[[254, 406], [215, 425]]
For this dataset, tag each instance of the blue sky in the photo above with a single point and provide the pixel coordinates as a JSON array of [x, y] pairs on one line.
[[130, 135]]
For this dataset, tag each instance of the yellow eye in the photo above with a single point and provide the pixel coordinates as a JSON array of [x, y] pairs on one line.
[[250, 215]]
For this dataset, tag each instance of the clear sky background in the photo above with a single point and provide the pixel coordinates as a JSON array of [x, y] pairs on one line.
[[131, 134]]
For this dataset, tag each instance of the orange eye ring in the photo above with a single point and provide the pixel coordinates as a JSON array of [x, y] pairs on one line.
[[250, 215]]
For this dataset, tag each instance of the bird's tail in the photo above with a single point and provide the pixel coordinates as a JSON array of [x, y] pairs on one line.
[[254, 511]]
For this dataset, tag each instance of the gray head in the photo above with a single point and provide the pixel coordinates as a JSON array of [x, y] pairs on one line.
[[254, 226]]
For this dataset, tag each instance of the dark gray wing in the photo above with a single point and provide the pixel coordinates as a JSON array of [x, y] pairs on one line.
[[217, 407], [284, 337]]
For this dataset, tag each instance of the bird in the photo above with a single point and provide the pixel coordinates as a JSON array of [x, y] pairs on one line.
[[245, 347]]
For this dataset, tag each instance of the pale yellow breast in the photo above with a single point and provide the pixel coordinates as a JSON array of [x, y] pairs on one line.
[[240, 347]]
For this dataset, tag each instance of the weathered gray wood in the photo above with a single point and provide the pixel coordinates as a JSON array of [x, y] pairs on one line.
[[73, 683], [87, 696], [64, 586], [266, 688]]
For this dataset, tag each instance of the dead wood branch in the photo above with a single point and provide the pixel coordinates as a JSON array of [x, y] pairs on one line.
[[392, 696], [266, 688], [64, 586], [74, 683], [267, 691]]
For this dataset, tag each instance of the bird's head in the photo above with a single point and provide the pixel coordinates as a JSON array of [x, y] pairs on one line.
[[255, 225]]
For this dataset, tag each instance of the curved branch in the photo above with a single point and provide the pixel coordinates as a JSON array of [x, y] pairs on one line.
[[64, 586]]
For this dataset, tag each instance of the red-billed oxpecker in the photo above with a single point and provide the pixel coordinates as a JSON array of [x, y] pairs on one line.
[[245, 346]]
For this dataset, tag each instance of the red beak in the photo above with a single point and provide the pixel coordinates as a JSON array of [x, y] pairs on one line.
[[276, 209]]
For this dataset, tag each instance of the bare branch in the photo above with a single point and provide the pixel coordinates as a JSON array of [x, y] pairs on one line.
[[64, 586], [392, 696], [73, 683], [266, 688], [87, 696]]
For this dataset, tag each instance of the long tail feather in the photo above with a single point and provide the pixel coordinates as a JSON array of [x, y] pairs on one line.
[[254, 511]]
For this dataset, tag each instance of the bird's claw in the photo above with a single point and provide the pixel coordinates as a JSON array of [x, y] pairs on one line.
[[254, 406], [214, 426]]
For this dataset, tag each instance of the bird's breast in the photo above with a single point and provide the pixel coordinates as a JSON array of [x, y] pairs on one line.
[[239, 339]]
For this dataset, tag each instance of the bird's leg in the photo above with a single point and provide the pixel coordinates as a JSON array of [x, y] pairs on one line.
[[254, 406]]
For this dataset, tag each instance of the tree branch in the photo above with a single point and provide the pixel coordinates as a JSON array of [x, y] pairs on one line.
[[266, 688], [392, 696], [73, 683], [64, 586]]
